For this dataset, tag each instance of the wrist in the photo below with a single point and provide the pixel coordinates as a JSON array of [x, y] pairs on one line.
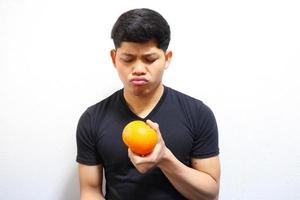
[[166, 159]]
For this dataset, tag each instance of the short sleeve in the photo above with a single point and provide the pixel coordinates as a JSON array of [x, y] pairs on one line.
[[205, 142], [86, 143]]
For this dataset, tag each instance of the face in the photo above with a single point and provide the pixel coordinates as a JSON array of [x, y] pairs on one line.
[[140, 66]]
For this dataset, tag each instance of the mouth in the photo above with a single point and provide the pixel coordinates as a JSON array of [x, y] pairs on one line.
[[139, 81]]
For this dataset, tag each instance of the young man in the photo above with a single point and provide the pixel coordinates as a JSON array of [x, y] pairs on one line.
[[184, 164]]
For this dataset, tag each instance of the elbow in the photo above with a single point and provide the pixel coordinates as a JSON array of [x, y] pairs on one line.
[[213, 195], [209, 195]]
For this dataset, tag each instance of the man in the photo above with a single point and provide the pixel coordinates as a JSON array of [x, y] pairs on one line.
[[184, 164]]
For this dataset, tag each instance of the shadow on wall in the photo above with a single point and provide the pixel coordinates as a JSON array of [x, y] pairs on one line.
[[71, 187]]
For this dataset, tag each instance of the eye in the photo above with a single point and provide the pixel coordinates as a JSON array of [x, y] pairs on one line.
[[127, 59], [150, 60]]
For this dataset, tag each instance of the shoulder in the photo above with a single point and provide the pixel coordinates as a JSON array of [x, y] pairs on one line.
[[105, 103], [194, 109], [185, 100], [95, 112]]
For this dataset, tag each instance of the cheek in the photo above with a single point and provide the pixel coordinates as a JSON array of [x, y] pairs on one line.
[[159, 69], [123, 73]]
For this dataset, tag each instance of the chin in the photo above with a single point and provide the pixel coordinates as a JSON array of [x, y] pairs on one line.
[[140, 91]]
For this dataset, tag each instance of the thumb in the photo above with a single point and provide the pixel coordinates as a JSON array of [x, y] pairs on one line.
[[154, 126]]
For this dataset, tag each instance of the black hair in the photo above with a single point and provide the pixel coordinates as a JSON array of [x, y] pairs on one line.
[[141, 25]]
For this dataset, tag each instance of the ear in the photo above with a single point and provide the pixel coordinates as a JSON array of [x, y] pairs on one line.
[[168, 57], [113, 53]]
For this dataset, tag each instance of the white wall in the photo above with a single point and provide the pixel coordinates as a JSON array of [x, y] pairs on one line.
[[241, 58]]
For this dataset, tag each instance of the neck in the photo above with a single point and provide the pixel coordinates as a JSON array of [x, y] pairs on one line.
[[142, 105]]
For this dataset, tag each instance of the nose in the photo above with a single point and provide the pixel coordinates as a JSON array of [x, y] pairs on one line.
[[139, 69]]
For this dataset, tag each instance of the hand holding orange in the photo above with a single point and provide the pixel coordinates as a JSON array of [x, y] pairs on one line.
[[139, 137]]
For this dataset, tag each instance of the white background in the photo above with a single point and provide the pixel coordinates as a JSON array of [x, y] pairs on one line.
[[241, 58]]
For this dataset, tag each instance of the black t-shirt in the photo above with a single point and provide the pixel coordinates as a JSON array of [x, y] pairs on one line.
[[188, 128]]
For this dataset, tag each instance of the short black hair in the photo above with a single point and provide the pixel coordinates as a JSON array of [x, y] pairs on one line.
[[141, 25]]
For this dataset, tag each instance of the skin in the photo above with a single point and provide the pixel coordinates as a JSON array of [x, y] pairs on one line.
[[146, 62], [201, 181], [140, 67], [90, 182]]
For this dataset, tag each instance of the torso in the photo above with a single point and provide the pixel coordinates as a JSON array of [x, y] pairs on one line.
[[175, 113]]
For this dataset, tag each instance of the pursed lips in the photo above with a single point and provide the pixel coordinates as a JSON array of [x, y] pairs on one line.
[[139, 81]]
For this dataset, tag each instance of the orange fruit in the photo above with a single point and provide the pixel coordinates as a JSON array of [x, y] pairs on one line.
[[139, 137]]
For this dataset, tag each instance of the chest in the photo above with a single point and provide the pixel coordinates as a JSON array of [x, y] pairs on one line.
[[176, 133]]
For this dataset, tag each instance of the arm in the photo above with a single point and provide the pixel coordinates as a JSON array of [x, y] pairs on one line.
[[90, 182], [200, 181]]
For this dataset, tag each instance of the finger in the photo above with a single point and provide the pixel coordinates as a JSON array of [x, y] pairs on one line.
[[135, 158], [129, 153], [153, 125]]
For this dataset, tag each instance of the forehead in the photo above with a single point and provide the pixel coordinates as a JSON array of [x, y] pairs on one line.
[[149, 47]]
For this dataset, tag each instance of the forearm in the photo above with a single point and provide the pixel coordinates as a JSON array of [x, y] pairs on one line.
[[191, 183], [91, 194]]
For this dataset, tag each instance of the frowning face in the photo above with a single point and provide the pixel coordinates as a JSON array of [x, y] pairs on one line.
[[140, 66]]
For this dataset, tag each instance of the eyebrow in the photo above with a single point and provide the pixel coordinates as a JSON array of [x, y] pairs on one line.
[[150, 54], [126, 54], [145, 55]]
